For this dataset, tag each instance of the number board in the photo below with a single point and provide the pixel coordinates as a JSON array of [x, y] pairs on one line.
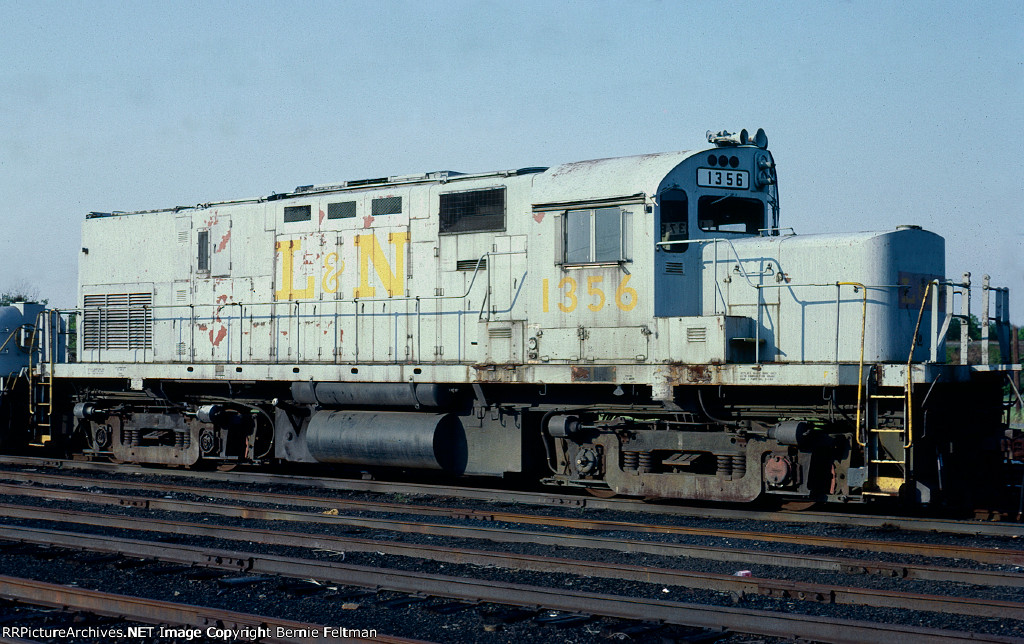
[[728, 179]]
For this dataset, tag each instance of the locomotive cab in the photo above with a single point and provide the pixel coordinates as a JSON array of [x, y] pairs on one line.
[[726, 193]]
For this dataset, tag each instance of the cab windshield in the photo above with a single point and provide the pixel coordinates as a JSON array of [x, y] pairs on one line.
[[730, 214]]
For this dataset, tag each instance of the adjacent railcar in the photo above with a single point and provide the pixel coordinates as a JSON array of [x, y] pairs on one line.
[[17, 339], [636, 326]]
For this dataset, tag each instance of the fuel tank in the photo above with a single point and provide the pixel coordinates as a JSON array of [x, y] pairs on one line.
[[390, 439]]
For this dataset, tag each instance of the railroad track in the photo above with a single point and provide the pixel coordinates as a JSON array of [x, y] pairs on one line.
[[137, 498], [542, 499], [267, 506], [458, 588], [739, 586], [847, 565]]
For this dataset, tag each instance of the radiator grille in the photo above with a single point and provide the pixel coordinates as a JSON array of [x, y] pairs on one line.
[[472, 211], [118, 321]]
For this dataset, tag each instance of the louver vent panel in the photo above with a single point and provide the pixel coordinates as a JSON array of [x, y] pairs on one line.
[[118, 321], [696, 334], [386, 206], [470, 264]]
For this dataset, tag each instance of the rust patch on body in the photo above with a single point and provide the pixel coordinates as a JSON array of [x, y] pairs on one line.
[[505, 372], [221, 333], [698, 373], [223, 242], [689, 374], [593, 374]]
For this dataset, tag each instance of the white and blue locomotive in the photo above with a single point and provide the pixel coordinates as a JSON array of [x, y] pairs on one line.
[[636, 326]]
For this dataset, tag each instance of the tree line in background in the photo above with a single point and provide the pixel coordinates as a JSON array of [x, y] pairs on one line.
[[20, 293], [974, 329]]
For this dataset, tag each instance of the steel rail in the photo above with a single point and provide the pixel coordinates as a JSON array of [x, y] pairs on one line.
[[920, 572], [969, 527], [633, 608], [302, 568], [981, 555], [152, 611]]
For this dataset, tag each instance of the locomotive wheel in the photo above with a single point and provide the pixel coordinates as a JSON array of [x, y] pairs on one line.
[[798, 506], [600, 492], [101, 438]]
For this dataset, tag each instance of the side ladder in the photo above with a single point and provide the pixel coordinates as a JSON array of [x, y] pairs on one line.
[[45, 337], [887, 441]]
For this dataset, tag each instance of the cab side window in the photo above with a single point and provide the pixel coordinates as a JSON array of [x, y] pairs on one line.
[[674, 221], [595, 236]]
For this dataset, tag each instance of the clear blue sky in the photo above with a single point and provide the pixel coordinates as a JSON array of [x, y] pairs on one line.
[[878, 113]]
